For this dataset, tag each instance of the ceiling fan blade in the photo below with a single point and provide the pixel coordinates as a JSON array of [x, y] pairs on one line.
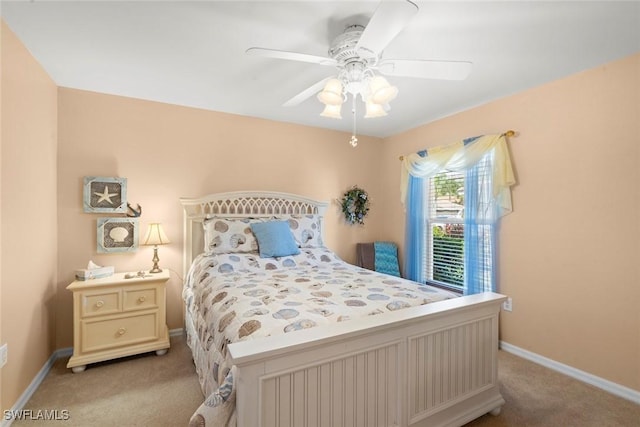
[[387, 21], [292, 56], [425, 69], [307, 93]]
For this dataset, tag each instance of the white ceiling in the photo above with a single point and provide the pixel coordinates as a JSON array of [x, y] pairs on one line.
[[192, 53]]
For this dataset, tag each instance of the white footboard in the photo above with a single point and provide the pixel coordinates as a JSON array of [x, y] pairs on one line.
[[433, 365]]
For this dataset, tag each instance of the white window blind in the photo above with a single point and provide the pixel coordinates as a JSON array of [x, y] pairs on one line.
[[445, 262]]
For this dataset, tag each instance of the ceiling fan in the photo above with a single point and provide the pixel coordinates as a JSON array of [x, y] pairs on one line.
[[357, 55]]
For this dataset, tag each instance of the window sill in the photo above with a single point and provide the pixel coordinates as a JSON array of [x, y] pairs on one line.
[[445, 287]]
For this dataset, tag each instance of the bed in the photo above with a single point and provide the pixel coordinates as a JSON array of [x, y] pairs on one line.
[[396, 353]]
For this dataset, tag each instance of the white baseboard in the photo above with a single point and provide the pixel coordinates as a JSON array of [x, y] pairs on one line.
[[176, 332], [60, 353], [606, 385]]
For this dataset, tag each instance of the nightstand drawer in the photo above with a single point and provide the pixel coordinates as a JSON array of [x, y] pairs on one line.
[[95, 304], [138, 299], [105, 334]]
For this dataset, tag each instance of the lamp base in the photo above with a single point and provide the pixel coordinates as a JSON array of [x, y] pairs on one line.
[[155, 260]]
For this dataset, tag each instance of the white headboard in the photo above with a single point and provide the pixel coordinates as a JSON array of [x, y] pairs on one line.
[[238, 204]]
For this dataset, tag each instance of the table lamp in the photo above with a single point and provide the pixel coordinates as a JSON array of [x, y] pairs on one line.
[[155, 236]]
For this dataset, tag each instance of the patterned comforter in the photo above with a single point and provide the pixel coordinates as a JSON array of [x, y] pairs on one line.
[[240, 296]]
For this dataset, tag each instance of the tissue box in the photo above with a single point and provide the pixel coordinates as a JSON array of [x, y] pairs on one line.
[[94, 273]]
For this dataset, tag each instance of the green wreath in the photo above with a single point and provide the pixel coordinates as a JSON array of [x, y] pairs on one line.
[[355, 205]]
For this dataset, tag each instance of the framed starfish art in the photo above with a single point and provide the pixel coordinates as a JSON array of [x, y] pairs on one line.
[[104, 194]]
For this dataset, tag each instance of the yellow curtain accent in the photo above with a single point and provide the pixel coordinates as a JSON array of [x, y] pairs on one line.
[[457, 157]]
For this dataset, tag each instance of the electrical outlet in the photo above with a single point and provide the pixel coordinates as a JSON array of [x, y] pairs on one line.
[[508, 304], [3, 354]]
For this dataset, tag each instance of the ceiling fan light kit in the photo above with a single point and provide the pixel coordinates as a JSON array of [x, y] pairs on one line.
[[374, 91], [357, 54]]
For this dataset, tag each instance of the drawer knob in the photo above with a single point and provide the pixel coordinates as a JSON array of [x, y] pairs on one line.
[[99, 303], [142, 299], [122, 331]]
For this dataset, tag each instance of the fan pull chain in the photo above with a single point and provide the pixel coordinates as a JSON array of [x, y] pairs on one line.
[[354, 140]]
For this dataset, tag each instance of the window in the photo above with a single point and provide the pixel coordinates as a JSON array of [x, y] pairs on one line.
[[445, 228], [454, 197], [460, 244]]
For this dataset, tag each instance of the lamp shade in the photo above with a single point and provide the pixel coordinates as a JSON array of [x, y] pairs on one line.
[[332, 93], [374, 110], [155, 235], [381, 91], [332, 111]]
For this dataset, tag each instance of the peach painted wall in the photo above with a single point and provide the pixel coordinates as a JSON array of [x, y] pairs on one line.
[[167, 152], [29, 216], [570, 251]]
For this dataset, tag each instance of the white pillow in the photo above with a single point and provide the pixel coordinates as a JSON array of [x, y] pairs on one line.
[[306, 229], [228, 235]]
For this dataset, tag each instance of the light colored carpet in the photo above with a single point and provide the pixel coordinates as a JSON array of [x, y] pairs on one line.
[[150, 390], [143, 390], [537, 396]]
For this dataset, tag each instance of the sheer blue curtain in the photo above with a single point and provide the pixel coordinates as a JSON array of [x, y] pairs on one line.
[[480, 227], [416, 228]]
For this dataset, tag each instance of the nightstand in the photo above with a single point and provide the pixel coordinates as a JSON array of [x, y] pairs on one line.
[[116, 317]]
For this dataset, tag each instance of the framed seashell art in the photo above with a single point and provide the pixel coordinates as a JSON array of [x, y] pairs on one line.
[[117, 235], [104, 194]]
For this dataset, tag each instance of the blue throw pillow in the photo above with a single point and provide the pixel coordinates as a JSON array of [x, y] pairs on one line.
[[274, 239]]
